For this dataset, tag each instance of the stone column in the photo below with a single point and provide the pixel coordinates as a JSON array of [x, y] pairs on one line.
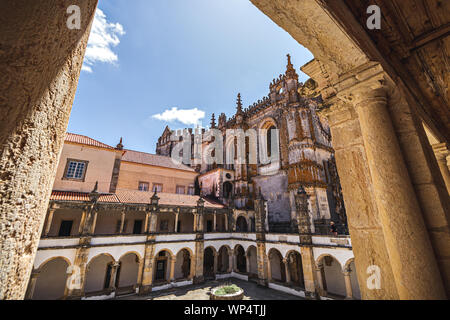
[[286, 270], [400, 214], [114, 268], [195, 222], [173, 260], [230, 261], [147, 273], [235, 269], [321, 280], [216, 255], [348, 284], [32, 285], [77, 273], [82, 221], [147, 220], [192, 271], [309, 272], [227, 228], [269, 269], [247, 264], [94, 222], [40, 65], [176, 222], [215, 222], [441, 152], [122, 221], [49, 222]]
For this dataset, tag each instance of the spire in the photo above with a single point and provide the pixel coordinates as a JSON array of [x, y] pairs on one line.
[[239, 104], [213, 121], [120, 145], [290, 71]]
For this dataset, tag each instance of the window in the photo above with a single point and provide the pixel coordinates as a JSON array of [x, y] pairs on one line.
[[144, 186], [181, 190], [65, 229], [137, 228], [191, 190], [164, 226], [157, 187], [75, 169]]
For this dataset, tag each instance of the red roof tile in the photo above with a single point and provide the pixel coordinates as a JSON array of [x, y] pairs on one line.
[[81, 196], [153, 160], [135, 197], [76, 138]]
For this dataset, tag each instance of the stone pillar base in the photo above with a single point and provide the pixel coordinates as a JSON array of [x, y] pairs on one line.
[[144, 290], [199, 280], [312, 295]]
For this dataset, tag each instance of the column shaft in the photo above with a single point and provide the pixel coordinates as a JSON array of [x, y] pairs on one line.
[[403, 227]]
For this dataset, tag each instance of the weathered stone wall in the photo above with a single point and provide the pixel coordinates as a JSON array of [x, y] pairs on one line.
[[40, 63]]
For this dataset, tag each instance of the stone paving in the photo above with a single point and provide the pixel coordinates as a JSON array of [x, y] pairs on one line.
[[201, 292]]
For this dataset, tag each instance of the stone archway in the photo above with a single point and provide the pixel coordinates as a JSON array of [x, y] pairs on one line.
[[223, 260], [252, 259], [241, 261], [241, 224], [99, 274], [162, 266], [295, 268], [183, 265], [277, 269], [127, 273], [208, 263], [52, 279], [332, 276]]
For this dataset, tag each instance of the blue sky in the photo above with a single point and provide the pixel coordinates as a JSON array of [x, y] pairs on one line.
[[146, 57]]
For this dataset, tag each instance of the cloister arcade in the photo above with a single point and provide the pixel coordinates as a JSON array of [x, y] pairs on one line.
[[120, 273]]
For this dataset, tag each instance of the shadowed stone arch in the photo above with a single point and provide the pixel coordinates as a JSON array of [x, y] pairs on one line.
[[98, 273], [223, 259], [252, 261], [183, 264], [209, 257], [241, 260], [52, 279], [332, 275], [295, 268], [276, 266]]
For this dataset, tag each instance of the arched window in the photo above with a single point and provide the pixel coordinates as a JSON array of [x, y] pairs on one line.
[[269, 140]]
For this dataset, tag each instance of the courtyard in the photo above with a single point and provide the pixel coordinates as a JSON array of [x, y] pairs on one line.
[[201, 292]]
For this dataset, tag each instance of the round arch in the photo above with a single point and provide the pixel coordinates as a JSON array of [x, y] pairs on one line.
[[241, 260], [128, 271], [252, 258], [98, 273], [277, 269], [241, 224], [52, 279], [333, 277]]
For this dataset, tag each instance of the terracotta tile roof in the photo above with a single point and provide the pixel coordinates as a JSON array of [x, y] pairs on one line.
[[135, 197], [153, 160], [81, 196], [76, 138]]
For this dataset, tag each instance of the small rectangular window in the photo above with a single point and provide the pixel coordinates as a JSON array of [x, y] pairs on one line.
[[164, 226], [75, 169], [157, 187], [181, 190], [137, 228], [144, 186], [191, 190], [65, 229]]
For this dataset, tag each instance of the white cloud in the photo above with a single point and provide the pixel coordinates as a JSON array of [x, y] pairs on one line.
[[185, 116], [103, 38]]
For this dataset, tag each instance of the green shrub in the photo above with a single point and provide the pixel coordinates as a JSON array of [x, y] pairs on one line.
[[227, 290]]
